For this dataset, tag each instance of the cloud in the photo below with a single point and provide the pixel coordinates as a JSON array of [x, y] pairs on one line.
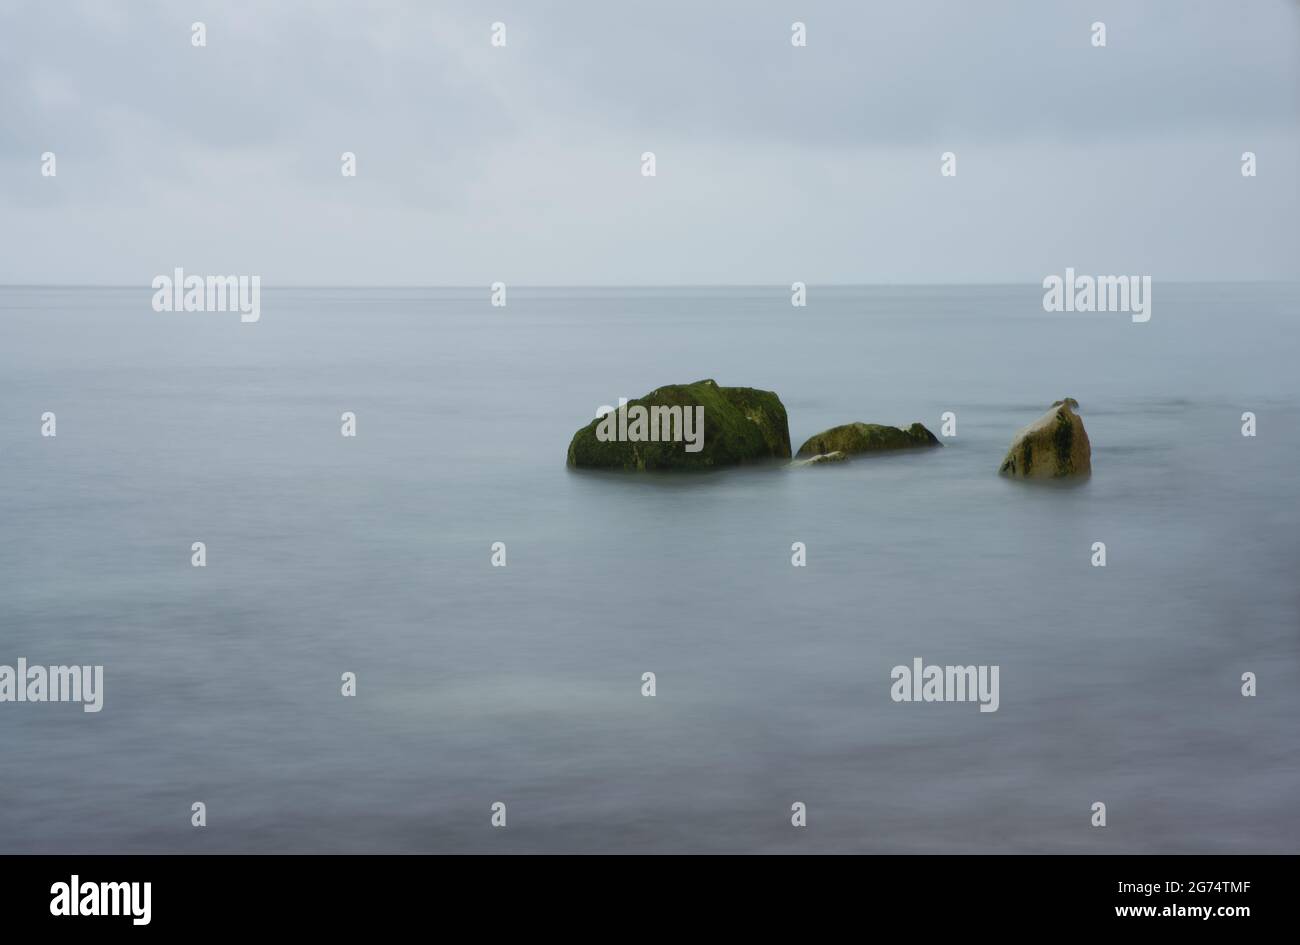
[[521, 163]]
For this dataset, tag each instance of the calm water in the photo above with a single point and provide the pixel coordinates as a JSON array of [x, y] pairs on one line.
[[478, 684]]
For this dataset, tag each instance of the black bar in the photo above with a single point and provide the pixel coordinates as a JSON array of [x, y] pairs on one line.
[[332, 893]]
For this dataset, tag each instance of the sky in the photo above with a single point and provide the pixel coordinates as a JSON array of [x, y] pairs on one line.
[[774, 163]]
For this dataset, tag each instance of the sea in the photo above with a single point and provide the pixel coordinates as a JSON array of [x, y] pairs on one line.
[[522, 685]]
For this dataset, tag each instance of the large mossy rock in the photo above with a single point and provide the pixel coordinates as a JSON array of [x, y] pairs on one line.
[[741, 425], [1055, 446], [854, 438]]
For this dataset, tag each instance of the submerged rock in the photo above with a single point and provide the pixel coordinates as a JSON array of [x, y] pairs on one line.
[[836, 457], [867, 438], [1055, 446], [686, 426]]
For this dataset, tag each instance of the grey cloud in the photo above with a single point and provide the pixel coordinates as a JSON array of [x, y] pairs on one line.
[[477, 162]]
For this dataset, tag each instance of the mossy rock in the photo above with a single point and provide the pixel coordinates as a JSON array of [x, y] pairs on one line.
[[854, 438], [1055, 446], [741, 425]]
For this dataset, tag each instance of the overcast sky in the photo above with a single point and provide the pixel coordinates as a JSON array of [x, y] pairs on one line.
[[774, 163]]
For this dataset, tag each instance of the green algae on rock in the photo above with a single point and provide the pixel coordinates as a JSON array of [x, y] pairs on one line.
[[1055, 446], [854, 438], [741, 425]]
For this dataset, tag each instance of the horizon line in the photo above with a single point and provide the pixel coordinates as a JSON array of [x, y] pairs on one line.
[[644, 285]]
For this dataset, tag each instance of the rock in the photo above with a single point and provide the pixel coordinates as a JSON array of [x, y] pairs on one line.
[[1055, 446], [836, 457], [867, 438], [740, 425]]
